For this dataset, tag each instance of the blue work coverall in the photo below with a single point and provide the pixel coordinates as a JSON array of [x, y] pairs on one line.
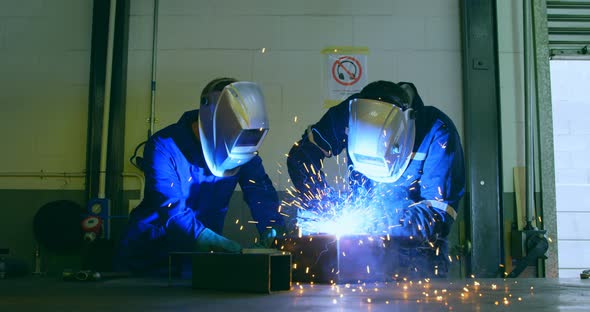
[[425, 198], [183, 197]]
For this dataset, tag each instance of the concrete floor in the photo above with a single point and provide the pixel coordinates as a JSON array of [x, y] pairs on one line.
[[538, 295]]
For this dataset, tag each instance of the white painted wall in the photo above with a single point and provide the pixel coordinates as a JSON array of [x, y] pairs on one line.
[[571, 130], [408, 40], [44, 74]]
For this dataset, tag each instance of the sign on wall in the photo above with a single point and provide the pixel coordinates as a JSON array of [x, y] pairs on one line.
[[345, 72]]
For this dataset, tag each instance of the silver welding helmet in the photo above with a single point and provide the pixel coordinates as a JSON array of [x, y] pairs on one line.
[[380, 138], [232, 127]]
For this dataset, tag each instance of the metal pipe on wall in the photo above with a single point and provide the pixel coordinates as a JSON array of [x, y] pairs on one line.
[[107, 102], [42, 174], [529, 100], [154, 64]]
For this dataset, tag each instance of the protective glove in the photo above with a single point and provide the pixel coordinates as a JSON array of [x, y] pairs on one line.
[[211, 241], [267, 238], [415, 225]]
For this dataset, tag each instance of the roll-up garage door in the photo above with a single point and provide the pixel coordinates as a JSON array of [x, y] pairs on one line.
[[569, 28]]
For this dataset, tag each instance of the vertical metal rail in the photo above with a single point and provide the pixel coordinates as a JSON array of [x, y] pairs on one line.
[[482, 138], [529, 100], [102, 175], [154, 68], [116, 151], [100, 20]]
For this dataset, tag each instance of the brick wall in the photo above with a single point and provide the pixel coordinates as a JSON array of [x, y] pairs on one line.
[[570, 81]]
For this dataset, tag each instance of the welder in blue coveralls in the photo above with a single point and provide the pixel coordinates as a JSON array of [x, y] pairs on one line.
[[191, 169], [400, 151]]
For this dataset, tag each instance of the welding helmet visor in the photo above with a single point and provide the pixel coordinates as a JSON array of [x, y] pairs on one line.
[[380, 138], [233, 130]]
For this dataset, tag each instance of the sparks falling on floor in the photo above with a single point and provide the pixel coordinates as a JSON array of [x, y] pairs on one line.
[[452, 296]]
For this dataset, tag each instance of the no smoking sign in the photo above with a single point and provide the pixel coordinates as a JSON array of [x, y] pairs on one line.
[[345, 72]]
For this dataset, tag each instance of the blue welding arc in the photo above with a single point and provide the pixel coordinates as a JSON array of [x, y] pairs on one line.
[[326, 248]]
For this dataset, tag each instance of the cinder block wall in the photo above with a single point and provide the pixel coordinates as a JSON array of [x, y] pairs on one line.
[[571, 124], [417, 41], [44, 75]]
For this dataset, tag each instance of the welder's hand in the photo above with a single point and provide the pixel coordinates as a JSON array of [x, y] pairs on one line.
[[417, 224], [267, 238], [211, 241]]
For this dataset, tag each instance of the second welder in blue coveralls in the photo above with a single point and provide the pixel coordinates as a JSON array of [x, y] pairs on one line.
[[401, 152], [191, 169]]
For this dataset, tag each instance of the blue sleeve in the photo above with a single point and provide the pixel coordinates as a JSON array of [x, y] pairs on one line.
[[164, 194], [442, 185], [260, 195], [326, 138], [443, 178]]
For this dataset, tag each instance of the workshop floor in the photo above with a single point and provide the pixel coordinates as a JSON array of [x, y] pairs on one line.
[[50, 294]]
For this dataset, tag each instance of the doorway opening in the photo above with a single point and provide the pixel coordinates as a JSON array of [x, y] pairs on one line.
[[570, 96]]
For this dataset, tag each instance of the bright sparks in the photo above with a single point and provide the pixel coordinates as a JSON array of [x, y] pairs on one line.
[[341, 214]]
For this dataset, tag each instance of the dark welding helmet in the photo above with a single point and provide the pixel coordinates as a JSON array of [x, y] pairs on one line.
[[232, 126], [381, 131]]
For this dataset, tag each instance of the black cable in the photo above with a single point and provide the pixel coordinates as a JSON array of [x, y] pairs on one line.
[[135, 160]]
